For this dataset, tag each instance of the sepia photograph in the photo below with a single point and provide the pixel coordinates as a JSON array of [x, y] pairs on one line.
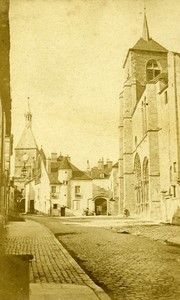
[[89, 150]]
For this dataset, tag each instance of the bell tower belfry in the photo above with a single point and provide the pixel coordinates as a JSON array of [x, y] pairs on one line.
[[26, 152], [144, 62]]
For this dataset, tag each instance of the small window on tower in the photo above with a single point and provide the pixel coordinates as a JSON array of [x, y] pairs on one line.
[[152, 70]]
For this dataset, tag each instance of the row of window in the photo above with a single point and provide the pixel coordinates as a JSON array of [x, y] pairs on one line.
[[54, 189]]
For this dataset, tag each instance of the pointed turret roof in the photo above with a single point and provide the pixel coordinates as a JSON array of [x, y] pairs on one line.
[[145, 42], [27, 140], [145, 32]]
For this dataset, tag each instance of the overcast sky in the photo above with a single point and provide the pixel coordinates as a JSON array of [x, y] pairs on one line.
[[67, 56]]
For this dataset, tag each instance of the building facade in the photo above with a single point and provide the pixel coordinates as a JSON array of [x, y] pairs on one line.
[[5, 112], [105, 185], [26, 152], [149, 163], [57, 186]]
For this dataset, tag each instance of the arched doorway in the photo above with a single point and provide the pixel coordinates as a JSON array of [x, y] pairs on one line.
[[100, 206], [138, 187]]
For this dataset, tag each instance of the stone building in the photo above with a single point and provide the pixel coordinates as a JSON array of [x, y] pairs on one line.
[[5, 111], [57, 185], [149, 162], [26, 152], [105, 198]]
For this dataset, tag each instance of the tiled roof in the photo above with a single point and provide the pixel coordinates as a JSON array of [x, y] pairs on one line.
[[77, 173], [54, 166], [149, 45], [83, 176], [66, 164], [53, 178], [95, 173]]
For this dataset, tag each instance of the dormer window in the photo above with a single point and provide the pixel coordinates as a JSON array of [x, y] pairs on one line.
[[152, 70], [101, 175]]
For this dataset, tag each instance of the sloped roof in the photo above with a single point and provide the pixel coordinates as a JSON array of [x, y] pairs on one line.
[[54, 166], [27, 140], [53, 178], [83, 176], [95, 173], [41, 151], [77, 173], [149, 45], [162, 76], [115, 165], [64, 163]]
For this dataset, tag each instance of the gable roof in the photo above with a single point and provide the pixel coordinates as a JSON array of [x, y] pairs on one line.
[[148, 45], [27, 140]]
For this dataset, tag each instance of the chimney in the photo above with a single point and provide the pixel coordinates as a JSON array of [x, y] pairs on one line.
[[101, 164], [109, 163], [54, 157]]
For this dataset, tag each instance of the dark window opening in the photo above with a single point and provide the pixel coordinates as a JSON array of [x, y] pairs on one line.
[[165, 97], [152, 70]]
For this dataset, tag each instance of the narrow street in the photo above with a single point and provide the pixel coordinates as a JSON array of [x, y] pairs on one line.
[[127, 267]]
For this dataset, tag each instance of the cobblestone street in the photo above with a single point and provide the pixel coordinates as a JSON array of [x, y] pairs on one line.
[[128, 266], [54, 274]]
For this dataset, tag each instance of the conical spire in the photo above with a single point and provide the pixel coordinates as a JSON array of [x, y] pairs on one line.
[[28, 117], [145, 33]]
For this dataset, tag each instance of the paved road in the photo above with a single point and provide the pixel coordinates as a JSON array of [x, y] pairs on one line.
[[128, 267], [54, 274]]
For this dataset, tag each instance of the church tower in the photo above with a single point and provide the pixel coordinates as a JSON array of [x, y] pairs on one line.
[[145, 63], [26, 153]]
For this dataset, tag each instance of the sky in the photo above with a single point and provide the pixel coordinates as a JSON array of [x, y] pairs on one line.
[[67, 57]]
